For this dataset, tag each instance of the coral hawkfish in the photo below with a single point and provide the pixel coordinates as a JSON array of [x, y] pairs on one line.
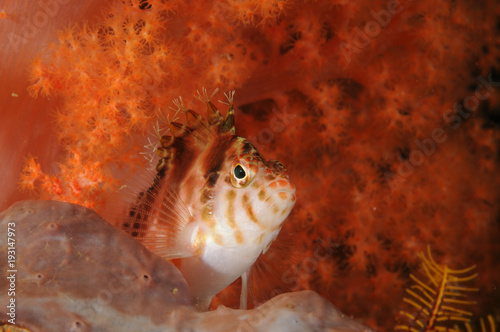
[[215, 204]]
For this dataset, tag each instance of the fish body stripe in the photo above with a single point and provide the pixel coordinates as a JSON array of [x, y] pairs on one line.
[[238, 236], [249, 209], [262, 194], [212, 179], [231, 195], [216, 155]]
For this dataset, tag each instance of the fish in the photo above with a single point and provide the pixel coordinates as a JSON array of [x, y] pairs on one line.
[[214, 204]]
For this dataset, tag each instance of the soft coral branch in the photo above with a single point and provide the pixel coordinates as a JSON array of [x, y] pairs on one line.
[[77, 182]]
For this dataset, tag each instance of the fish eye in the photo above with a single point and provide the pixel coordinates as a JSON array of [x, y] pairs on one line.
[[239, 172]]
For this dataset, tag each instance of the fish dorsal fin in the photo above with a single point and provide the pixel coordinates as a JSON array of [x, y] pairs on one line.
[[158, 218], [193, 119], [200, 129], [197, 133], [214, 117], [179, 129], [228, 124]]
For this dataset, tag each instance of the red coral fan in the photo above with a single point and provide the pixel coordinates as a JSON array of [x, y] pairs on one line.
[[385, 112]]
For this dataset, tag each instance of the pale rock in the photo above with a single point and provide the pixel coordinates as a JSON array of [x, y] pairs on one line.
[[75, 272]]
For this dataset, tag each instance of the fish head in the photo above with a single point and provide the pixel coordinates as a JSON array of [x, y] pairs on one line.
[[211, 187], [254, 197]]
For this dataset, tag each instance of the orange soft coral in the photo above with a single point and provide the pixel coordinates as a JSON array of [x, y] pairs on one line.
[[114, 76], [77, 182]]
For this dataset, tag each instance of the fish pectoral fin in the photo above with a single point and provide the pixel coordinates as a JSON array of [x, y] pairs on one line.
[[244, 290], [158, 219], [168, 252]]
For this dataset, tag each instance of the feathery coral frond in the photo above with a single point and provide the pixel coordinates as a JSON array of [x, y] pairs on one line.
[[440, 299]]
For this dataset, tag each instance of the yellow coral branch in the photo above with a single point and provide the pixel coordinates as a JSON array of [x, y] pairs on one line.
[[440, 299]]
